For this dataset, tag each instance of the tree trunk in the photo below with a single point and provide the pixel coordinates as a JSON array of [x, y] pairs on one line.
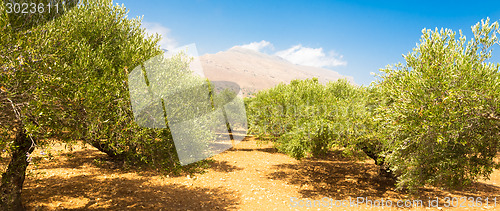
[[13, 178], [372, 152], [106, 148], [100, 145]]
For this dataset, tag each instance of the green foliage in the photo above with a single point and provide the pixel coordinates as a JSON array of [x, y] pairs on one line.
[[434, 120], [307, 118], [67, 79], [444, 113], [186, 99], [23, 73]]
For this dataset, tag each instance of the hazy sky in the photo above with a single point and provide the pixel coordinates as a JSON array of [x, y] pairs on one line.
[[351, 37]]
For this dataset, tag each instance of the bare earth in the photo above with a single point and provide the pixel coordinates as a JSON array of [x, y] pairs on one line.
[[249, 176]]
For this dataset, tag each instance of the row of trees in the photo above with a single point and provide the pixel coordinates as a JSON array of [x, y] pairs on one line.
[[433, 120], [64, 76]]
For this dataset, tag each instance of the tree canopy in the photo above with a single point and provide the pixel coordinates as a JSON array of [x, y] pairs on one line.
[[64, 77], [433, 120]]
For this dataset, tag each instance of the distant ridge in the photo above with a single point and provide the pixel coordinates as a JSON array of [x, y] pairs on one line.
[[254, 71]]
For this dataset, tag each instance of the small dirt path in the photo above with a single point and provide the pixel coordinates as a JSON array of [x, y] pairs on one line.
[[250, 176]]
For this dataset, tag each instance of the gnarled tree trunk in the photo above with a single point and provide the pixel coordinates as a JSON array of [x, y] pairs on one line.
[[372, 151], [13, 178]]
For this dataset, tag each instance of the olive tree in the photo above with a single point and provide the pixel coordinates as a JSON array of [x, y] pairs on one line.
[[20, 61], [442, 120], [307, 118], [64, 76]]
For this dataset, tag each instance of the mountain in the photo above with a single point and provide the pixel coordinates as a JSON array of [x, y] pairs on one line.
[[254, 71]]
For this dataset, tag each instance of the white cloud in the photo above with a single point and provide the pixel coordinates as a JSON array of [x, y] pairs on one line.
[[311, 57], [258, 46], [166, 41], [301, 55]]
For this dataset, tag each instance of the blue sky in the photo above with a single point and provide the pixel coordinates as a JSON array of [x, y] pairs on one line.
[[351, 37]]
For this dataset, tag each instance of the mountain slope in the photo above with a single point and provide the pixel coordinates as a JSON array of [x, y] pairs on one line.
[[254, 71]]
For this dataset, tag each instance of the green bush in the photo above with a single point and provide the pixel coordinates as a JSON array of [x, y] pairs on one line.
[[306, 118], [434, 120], [442, 123], [68, 77]]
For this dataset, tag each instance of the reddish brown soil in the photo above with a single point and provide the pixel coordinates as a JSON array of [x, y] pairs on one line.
[[248, 177]]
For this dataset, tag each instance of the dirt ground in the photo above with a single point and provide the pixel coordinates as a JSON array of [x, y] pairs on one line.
[[249, 176]]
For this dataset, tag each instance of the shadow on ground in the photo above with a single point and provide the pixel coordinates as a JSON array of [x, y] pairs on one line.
[[338, 177], [76, 181], [223, 166], [125, 194], [268, 150]]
